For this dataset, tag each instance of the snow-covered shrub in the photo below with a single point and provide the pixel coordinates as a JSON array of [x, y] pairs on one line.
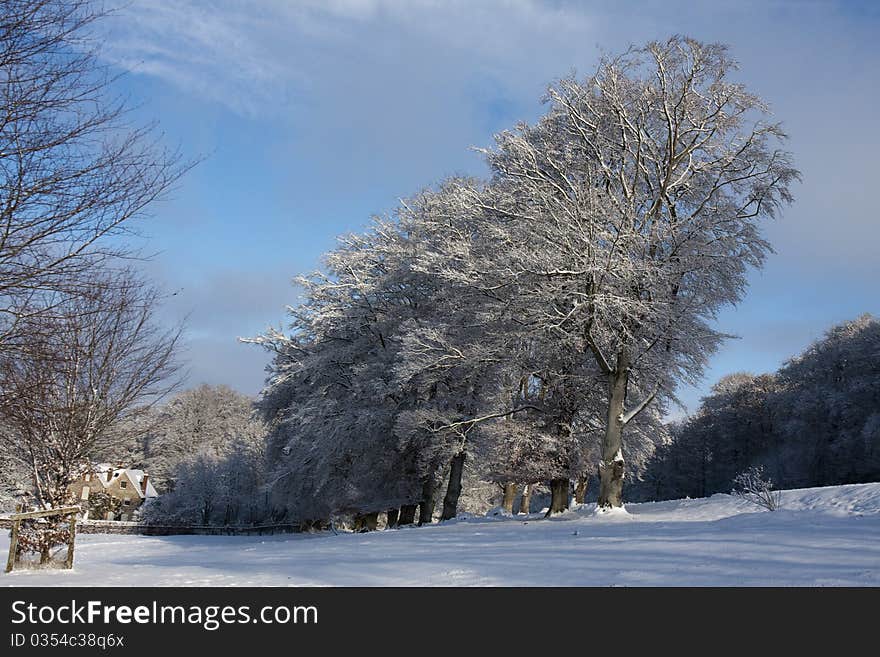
[[43, 536], [101, 503], [752, 486]]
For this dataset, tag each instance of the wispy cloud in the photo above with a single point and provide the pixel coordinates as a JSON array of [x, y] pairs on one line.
[[256, 57]]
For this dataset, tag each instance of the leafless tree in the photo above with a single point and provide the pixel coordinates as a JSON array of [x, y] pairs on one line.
[[87, 362], [73, 171]]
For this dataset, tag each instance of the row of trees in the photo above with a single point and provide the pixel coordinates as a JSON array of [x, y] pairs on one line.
[[525, 328], [534, 324], [815, 422], [80, 348]]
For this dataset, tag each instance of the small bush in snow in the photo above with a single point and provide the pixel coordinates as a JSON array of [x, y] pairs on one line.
[[751, 485]]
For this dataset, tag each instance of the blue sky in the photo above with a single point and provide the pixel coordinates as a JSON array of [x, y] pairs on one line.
[[314, 115]]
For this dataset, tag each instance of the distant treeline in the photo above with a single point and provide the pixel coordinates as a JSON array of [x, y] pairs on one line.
[[815, 422]]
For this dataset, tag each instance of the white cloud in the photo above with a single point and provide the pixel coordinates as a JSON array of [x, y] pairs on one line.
[[253, 57]]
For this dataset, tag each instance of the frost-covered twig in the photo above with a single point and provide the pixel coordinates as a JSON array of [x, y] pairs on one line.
[[752, 486]]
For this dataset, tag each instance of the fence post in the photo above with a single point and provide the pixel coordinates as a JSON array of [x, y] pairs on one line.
[[70, 540], [13, 546]]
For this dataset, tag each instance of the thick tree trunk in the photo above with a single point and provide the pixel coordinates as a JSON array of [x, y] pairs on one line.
[[371, 521], [407, 515], [611, 467], [580, 491], [391, 518], [558, 496], [429, 499], [314, 525], [453, 490], [509, 497], [525, 501], [366, 522]]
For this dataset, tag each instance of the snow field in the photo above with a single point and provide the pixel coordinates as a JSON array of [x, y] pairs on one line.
[[820, 537]]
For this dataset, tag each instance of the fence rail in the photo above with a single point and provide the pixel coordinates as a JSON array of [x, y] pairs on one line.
[[118, 527], [45, 513]]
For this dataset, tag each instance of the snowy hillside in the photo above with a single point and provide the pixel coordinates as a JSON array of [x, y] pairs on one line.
[[821, 537]]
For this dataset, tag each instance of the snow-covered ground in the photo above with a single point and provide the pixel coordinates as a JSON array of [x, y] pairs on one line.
[[820, 537]]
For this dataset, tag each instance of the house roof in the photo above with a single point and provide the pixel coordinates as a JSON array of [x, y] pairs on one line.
[[135, 476]]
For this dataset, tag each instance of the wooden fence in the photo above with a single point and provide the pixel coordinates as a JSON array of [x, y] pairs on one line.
[[15, 521], [117, 527]]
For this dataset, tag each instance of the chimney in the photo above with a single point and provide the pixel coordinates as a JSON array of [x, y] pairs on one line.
[[144, 484], [109, 474]]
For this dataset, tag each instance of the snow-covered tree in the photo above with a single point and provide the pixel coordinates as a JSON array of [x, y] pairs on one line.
[[333, 399], [828, 409], [812, 423], [206, 420], [630, 213], [215, 488], [371, 400]]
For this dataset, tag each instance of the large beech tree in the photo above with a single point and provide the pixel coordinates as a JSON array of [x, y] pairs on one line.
[[631, 213]]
